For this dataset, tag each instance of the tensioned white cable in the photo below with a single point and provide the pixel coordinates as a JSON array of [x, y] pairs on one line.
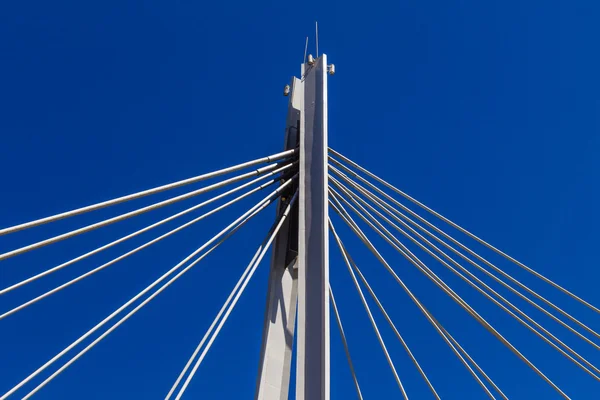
[[352, 225], [139, 232], [126, 317], [384, 206], [392, 240], [389, 320], [369, 313], [389, 208], [464, 352], [354, 198], [237, 297], [247, 215], [461, 302], [137, 249], [345, 343], [148, 192], [456, 226], [211, 327], [444, 333], [220, 313], [134, 213]]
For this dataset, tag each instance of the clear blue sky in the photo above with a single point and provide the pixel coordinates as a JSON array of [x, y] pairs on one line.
[[486, 111]]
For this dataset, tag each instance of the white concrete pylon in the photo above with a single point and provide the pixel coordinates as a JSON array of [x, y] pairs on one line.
[[301, 280], [312, 374], [282, 294]]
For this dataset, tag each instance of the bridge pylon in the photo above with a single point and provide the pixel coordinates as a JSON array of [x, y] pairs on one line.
[[299, 277]]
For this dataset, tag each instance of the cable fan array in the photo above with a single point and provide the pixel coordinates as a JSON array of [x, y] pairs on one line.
[[364, 203], [357, 194], [281, 168]]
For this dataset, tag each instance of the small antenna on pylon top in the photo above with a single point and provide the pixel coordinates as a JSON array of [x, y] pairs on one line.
[[305, 49], [317, 36]]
